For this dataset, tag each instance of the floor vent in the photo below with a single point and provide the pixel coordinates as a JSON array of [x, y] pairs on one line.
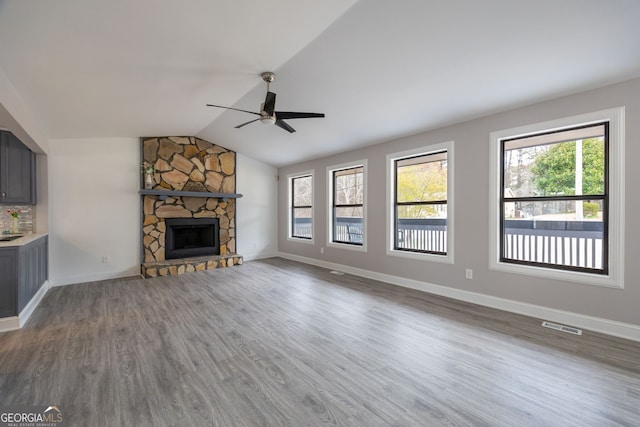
[[563, 328], [337, 273]]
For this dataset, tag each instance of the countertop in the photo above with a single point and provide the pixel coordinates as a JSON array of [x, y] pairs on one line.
[[26, 239]]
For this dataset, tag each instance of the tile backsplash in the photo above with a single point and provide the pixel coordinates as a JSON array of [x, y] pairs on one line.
[[25, 218]]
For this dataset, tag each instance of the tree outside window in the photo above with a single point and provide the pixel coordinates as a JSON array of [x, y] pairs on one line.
[[348, 205], [421, 203], [554, 199]]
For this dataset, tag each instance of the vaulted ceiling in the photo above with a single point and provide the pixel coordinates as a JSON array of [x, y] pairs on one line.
[[378, 69]]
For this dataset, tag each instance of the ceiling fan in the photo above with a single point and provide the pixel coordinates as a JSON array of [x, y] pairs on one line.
[[268, 115]]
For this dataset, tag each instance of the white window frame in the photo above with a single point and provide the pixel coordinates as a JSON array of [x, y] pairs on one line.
[[391, 158], [615, 276], [330, 170], [290, 179]]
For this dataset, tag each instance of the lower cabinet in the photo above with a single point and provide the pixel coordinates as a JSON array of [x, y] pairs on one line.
[[8, 281], [25, 269]]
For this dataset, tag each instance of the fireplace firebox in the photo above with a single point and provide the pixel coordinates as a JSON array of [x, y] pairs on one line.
[[191, 237]]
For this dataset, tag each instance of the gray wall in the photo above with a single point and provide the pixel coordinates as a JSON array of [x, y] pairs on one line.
[[472, 211]]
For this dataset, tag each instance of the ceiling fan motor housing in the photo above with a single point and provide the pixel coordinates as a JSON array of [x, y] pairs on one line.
[[265, 118]]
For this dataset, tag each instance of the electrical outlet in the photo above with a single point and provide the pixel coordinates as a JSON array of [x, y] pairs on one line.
[[321, 250], [468, 273], [106, 259]]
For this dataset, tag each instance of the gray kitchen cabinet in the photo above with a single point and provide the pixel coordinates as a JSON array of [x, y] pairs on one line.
[[17, 171], [8, 280], [24, 271]]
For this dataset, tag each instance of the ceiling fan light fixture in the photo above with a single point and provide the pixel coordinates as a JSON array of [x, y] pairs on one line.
[[268, 120]]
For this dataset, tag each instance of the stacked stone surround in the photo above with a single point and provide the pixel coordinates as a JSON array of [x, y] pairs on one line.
[[187, 164]]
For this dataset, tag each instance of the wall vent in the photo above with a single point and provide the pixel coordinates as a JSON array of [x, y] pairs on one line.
[[562, 328]]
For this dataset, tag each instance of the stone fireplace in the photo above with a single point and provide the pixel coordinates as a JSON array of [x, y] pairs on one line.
[[188, 216]]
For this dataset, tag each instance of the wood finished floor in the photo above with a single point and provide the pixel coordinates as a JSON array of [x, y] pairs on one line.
[[278, 343]]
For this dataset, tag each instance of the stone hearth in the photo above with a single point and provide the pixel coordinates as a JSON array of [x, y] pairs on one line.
[[187, 164], [186, 265]]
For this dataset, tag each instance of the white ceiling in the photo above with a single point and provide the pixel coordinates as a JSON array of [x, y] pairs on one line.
[[378, 69]]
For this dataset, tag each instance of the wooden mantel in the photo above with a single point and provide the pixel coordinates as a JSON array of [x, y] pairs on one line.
[[163, 194]]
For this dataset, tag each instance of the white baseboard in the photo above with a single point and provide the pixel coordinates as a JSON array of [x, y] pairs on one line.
[[28, 310], [9, 323], [16, 322], [596, 324], [134, 271], [259, 255]]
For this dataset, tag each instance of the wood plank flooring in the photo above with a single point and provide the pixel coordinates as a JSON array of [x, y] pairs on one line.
[[278, 343]]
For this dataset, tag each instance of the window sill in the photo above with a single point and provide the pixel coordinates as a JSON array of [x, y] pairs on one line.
[[356, 248], [551, 273], [300, 240], [420, 256]]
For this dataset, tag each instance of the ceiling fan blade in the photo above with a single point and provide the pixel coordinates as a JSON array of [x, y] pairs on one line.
[[244, 124], [284, 125], [286, 115], [231, 108], [270, 103]]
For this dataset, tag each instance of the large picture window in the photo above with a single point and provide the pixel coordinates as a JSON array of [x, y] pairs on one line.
[[347, 201], [301, 216], [420, 206], [558, 208], [555, 199]]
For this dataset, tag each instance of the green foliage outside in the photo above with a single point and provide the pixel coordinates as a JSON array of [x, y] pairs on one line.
[[553, 172], [420, 183], [590, 209]]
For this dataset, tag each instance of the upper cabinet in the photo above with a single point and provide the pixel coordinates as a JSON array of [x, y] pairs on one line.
[[17, 171]]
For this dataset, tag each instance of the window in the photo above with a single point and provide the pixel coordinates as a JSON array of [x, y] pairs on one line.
[[559, 197], [301, 203], [420, 189], [347, 201], [554, 199]]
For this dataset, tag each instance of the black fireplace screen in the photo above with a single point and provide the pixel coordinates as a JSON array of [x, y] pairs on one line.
[[190, 237]]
